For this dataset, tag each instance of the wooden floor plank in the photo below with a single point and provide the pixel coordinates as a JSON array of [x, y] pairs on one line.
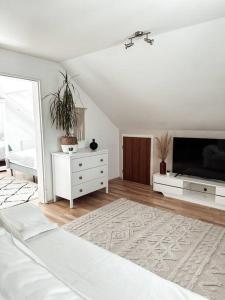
[[60, 212]]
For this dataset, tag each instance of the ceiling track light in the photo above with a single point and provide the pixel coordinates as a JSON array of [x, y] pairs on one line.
[[130, 44], [139, 34], [147, 40]]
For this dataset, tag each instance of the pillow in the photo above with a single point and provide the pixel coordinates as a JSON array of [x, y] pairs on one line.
[[25, 221]]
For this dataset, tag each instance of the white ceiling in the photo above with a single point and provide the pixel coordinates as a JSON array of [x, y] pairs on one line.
[[62, 29], [178, 83]]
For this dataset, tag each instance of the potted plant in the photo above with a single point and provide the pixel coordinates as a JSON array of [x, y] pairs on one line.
[[163, 144], [63, 113]]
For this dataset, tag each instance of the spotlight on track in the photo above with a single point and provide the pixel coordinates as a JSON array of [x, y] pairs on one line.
[[130, 44], [138, 34], [147, 40]]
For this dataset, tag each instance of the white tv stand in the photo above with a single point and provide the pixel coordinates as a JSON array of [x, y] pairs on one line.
[[192, 189]]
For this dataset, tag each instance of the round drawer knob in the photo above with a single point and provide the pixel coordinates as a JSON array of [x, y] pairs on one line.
[[80, 164], [101, 183], [102, 172], [80, 177], [81, 190], [101, 159]]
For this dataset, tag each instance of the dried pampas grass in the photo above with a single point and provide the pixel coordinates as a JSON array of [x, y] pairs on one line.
[[163, 145]]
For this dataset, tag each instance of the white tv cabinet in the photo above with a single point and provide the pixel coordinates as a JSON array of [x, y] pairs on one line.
[[192, 189]]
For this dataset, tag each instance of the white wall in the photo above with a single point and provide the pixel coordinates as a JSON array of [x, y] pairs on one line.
[[19, 121], [174, 133], [178, 83], [19, 129], [98, 125]]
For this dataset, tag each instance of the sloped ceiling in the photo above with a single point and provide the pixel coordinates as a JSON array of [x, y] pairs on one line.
[[62, 29], [178, 83]]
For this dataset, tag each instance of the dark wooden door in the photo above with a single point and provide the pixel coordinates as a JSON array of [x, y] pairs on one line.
[[136, 159]]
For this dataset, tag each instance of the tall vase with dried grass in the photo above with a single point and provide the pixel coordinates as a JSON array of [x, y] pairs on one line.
[[163, 146]]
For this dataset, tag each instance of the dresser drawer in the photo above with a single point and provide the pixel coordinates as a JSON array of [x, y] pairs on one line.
[[90, 174], [84, 163], [88, 187]]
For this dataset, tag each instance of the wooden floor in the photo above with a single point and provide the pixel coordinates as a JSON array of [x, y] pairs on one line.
[[60, 212]]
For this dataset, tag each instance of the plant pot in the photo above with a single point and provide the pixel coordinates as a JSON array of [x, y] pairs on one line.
[[69, 144], [163, 168]]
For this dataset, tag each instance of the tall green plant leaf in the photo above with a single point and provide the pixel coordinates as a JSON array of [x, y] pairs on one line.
[[62, 106]]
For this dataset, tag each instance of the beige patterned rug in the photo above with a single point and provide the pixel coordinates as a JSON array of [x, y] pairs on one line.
[[186, 251]]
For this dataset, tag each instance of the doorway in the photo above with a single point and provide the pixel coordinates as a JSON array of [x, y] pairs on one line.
[[21, 141], [137, 159]]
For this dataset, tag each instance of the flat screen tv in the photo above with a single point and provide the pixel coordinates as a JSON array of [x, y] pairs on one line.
[[199, 157]]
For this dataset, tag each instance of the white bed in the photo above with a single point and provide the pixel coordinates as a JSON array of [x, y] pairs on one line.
[[88, 271], [23, 161], [100, 274]]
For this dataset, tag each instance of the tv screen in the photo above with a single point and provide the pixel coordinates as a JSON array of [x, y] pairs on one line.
[[199, 157]]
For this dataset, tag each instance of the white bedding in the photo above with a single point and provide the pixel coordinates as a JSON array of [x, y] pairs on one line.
[[2, 150], [75, 265], [26, 158], [99, 274], [21, 278], [25, 221]]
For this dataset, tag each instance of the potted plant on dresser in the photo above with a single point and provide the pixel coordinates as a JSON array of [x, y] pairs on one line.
[[163, 146], [63, 113]]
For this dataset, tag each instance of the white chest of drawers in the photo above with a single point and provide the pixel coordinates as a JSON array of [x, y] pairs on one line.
[[80, 173]]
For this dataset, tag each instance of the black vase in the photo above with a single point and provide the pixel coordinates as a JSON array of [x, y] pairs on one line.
[[93, 145]]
